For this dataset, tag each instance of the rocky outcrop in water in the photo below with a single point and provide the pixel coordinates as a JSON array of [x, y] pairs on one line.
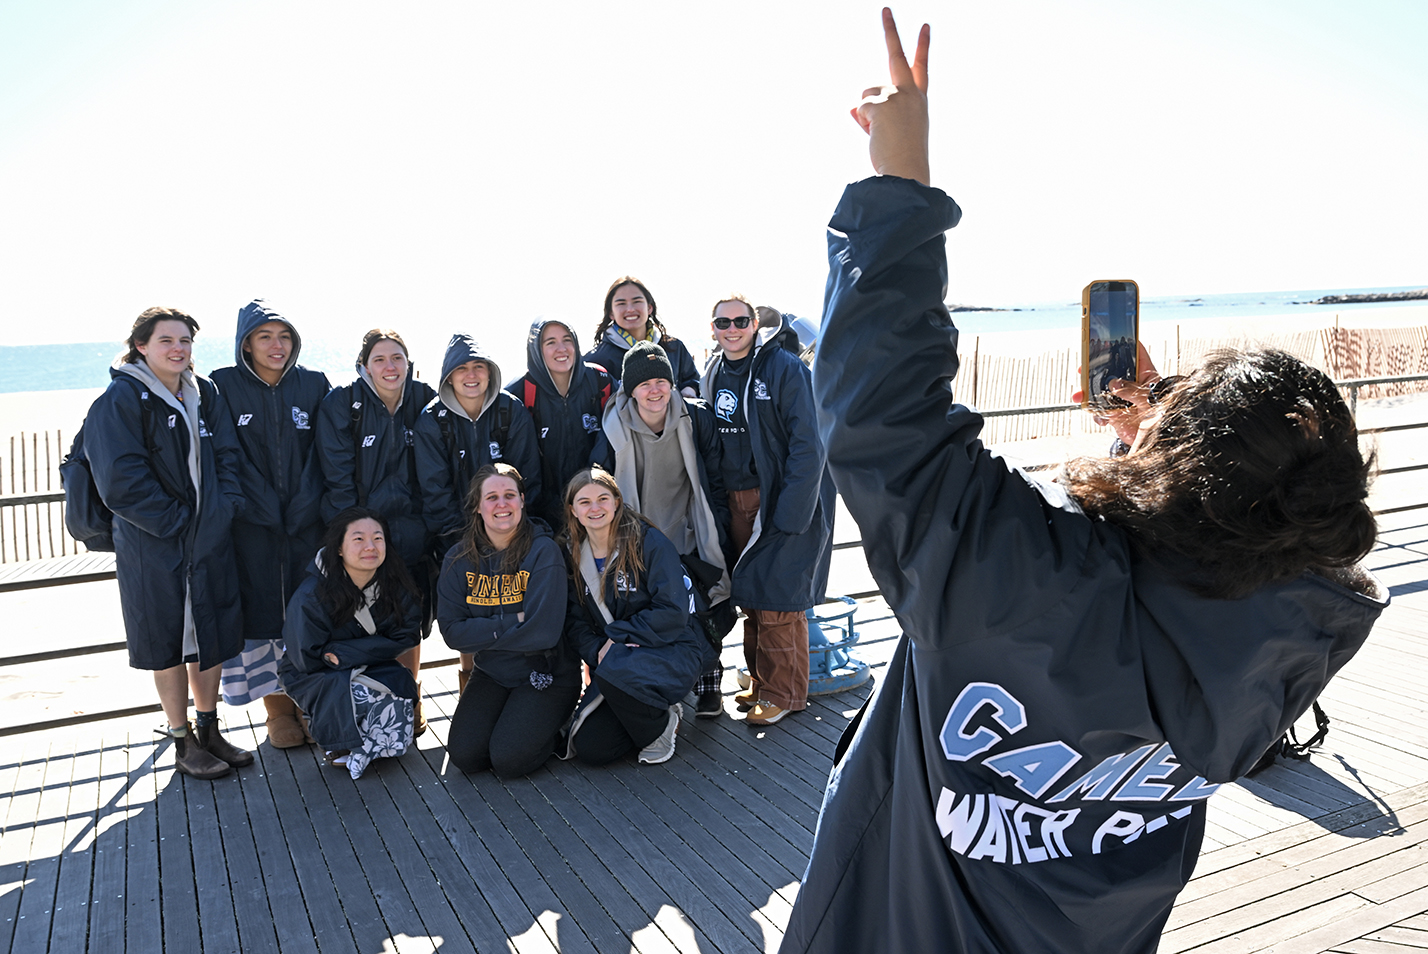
[[1416, 295]]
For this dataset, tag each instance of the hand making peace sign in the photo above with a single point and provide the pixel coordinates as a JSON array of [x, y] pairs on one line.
[[895, 117]]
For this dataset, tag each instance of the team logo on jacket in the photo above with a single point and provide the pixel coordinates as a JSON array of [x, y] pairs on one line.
[[369, 440], [245, 419], [173, 421], [725, 404], [591, 422], [1040, 823], [410, 436], [495, 450], [761, 390], [301, 419], [203, 429]]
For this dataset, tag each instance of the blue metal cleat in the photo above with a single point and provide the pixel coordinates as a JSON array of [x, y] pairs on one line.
[[831, 636]]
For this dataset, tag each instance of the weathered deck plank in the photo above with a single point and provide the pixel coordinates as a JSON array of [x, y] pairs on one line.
[[701, 853]]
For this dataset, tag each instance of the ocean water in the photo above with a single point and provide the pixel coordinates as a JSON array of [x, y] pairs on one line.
[[58, 367], [1179, 308]]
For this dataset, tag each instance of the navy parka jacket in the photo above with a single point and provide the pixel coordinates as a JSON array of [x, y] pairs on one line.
[[1031, 773], [567, 426], [477, 607], [276, 429], [784, 566], [670, 649], [609, 353], [163, 545], [324, 691], [375, 465], [451, 447]]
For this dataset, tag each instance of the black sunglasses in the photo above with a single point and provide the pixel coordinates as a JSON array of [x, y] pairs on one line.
[[723, 323]]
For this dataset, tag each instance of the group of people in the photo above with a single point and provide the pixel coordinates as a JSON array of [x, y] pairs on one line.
[[584, 536], [1083, 660]]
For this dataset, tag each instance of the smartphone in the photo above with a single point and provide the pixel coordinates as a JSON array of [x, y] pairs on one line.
[[1110, 328]]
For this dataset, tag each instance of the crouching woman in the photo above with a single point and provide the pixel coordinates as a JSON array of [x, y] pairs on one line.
[[630, 616], [501, 598], [356, 612]]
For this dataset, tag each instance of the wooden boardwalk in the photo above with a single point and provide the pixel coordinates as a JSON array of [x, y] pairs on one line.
[[106, 849]]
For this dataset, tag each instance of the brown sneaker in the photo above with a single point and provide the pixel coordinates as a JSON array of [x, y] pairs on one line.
[[212, 739], [284, 729], [765, 713], [192, 759], [744, 701]]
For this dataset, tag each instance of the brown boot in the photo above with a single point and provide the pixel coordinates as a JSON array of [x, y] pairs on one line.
[[284, 729], [211, 739], [191, 758]]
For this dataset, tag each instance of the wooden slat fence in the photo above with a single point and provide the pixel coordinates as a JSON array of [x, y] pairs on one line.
[[31, 518]]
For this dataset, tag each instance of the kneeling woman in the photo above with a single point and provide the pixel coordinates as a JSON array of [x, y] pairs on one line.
[[630, 618], [356, 612], [501, 597]]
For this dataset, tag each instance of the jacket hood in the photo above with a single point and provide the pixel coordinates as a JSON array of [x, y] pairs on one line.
[[1228, 677], [258, 312], [535, 362], [461, 349]]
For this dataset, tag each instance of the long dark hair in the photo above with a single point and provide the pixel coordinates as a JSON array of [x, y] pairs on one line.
[[609, 317], [475, 543], [627, 531], [339, 596], [1253, 472]]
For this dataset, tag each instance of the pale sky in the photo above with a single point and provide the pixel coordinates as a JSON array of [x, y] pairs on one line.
[[458, 166]]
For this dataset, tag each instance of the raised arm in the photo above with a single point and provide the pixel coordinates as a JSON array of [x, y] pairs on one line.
[[943, 522]]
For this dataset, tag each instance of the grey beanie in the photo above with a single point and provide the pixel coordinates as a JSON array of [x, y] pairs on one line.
[[643, 362]]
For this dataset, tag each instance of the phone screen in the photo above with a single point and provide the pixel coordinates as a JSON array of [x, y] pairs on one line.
[[1111, 321]]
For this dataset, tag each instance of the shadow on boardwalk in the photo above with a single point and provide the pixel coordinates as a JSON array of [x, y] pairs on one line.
[[106, 849]]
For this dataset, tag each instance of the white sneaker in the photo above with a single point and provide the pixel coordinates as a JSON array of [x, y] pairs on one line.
[[662, 748]]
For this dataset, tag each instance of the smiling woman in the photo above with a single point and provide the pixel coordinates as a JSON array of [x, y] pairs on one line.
[[630, 616], [164, 461], [348, 626], [501, 602]]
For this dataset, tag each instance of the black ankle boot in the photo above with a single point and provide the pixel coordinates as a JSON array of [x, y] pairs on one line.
[[191, 758], [213, 741]]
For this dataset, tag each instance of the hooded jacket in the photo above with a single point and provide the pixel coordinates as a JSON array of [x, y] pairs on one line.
[[324, 691], [609, 353], [567, 426], [784, 566], [275, 427], [669, 651], [174, 496], [710, 504], [368, 459], [477, 607], [451, 447], [1031, 774]]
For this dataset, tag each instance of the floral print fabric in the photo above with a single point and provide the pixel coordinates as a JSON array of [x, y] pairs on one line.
[[385, 722]]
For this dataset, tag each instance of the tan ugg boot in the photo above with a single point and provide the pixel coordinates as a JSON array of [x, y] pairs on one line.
[[284, 729]]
